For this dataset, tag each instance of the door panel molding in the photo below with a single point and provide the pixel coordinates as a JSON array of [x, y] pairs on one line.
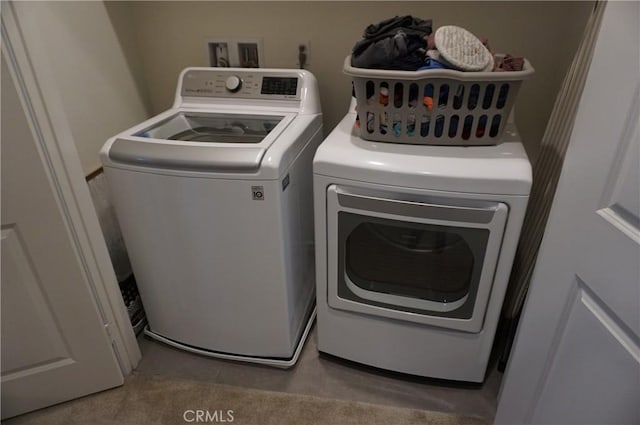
[[28, 65], [621, 198], [52, 347], [625, 337], [569, 374]]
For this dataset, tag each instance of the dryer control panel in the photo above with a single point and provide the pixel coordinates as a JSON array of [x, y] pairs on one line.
[[241, 83]]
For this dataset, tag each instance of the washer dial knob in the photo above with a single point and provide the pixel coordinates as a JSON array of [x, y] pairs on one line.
[[233, 83]]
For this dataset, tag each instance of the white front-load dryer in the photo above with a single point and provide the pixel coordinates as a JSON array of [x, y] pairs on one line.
[[414, 246], [214, 200]]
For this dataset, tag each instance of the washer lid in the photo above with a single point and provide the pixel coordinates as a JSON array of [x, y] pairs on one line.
[[185, 140], [503, 169], [193, 158], [203, 127]]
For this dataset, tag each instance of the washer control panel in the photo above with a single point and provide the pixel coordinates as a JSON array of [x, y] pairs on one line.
[[241, 84]]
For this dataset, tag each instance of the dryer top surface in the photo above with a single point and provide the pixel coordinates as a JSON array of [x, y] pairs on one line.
[[502, 169]]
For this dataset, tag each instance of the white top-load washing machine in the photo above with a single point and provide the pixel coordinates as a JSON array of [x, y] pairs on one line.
[[414, 246], [214, 198]]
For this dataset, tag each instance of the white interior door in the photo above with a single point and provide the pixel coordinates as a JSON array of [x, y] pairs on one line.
[[55, 346], [576, 357]]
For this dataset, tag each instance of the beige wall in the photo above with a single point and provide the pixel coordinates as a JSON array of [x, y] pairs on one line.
[[93, 74], [172, 35]]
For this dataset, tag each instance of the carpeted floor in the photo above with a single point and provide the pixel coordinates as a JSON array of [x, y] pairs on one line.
[[154, 400]]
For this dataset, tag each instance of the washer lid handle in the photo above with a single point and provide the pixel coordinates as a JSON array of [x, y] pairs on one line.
[[187, 158]]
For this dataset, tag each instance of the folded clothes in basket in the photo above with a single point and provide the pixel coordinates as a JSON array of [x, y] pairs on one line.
[[406, 43], [510, 63]]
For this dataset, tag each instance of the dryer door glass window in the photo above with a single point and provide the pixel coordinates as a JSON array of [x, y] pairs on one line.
[[414, 267], [416, 261], [213, 128]]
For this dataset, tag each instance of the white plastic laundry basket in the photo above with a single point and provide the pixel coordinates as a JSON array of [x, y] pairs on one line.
[[436, 106]]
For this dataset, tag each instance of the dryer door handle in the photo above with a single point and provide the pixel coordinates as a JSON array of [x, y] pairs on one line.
[[462, 214]]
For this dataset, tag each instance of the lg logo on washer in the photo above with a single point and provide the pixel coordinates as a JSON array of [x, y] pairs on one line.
[[257, 193]]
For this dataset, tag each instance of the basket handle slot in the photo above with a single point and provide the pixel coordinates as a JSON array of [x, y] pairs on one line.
[[371, 122], [427, 99], [411, 125], [467, 127], [489, 93], [474, 95], [443, 95], [495, 125], [425, 123], [457, 98], [370, 90], [383, 123], [396, 125], [383, 94], [502, 96], [438, 129], [481, 127], [413, 95], [453, 125], [398, 95]]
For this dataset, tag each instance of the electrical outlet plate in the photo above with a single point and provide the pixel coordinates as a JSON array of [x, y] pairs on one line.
[[235, 52]]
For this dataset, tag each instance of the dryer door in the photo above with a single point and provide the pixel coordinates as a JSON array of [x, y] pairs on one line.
[[421, 259]]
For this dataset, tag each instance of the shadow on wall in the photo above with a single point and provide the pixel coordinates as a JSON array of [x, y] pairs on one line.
[[124, 28]]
